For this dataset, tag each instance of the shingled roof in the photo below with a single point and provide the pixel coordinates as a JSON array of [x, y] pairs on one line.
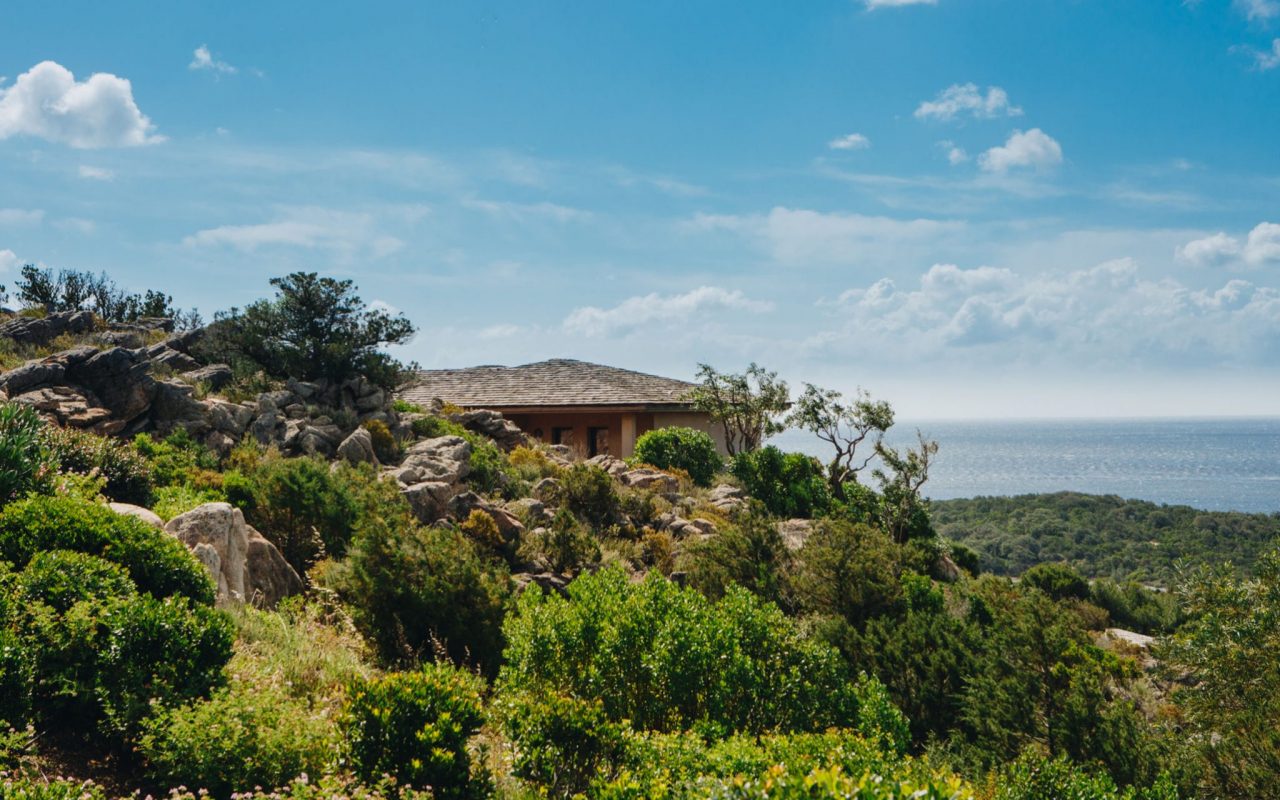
[[559, 382]]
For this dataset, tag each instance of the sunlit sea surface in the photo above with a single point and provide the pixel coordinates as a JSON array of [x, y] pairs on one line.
[[1215, 464]]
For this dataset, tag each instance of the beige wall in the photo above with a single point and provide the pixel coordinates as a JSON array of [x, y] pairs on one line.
[[541, 426]]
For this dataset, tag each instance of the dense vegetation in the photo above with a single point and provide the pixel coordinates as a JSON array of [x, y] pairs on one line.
[[803, 631], [1102, 536]]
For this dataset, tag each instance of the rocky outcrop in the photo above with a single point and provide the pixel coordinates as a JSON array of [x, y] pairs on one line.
[[445, 459], [651, 480], [795, 532], [505, 433], [727, 499], [509, 527], [244, 564], [358, 448], [42, 330]]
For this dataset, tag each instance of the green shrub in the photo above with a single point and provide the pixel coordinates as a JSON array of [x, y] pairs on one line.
[[789, 484], [238, 739], [589, 492], [1058, 581], [157, 651], [419, 592], [385, 446], [667, 658], [488, 464], [27, 786], [748, 553], [531, 464], [431, 427], [301, 506], [414, 726], [174, 459], [1034, 776], [835, 784], [61, 578], [31, 786], [170, 501], [127, 473], [25, 462], [566, 545], [157, 563], [680, 448], [561, 743]]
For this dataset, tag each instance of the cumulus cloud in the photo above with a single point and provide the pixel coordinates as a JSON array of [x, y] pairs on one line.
[[1259, 9], [874, 4], [802, 236], [8, 260], [342, 232], [636, 312], [1267, 59], [1034, 149], [1261, 246], [956, 154], [21, 216], [48, 102], [202, 59], [96, 173], [959, 100], [852, 141], [1106, 313]]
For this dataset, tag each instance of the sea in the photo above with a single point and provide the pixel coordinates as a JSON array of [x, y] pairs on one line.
[[1219, 464]]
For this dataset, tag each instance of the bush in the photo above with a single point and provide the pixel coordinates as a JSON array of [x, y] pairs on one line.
[[175, 459], [431, 427], [61, 578], [589, 492], [667, 658], [25, 462], [566, 545], [385, 446], [1058, 581], [488, 464], [166, 652], [157, 563], [531, 464], [1033, 776], [748, 553], [238, 739], [170, 501], [419, 592], [127, 473], [789, 484], [414, 726], [301, 506], [680, 448], [329, 787], [561, 743]]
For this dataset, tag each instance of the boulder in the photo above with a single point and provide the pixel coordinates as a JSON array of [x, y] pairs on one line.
[[546, 581], [215, 376], [445, 458], [129, 339], [66, 406], [42, 330], [651, 480], [174, 407], [429, 499], [245, 565], [505, 433], [162, 355], [358, 448], [610, 464], [531, 510], [229, 418], [509, 527], [119, 378], [727, 499], [31, 375], [794, 532], [145, 514], [546, 489]]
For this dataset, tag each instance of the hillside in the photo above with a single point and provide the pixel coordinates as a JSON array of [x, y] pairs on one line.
[[1101, 535]]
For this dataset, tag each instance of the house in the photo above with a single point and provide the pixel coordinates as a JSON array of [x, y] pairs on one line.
[[590, 407]]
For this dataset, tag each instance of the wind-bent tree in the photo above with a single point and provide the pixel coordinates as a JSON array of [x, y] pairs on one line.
[[315, 328], [748, 405], [905, 473], [845, 426]]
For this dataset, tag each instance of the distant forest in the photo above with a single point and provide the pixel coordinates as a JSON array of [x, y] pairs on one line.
[[1101, 536]]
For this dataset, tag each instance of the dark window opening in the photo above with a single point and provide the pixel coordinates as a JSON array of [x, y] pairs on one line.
[[597, 441]]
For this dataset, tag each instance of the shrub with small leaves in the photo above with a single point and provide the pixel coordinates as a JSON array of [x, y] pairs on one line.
[[127, 472], [157, 563], [385, 446], [560, 743], [414, 726], [26, 464], [680, 448], [589, 492], [62, 578], [789, 484]]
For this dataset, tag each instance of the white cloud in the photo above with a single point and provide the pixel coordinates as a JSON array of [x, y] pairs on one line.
[[1259, 9], [874, 4], [955, 153], [96, 173], [636, 312], [500, 331], [8, 260], [527, 212], [852, 141], [961, 99], [342, 232], [46, 101], [1034, 148], [1267, 59], [799, 236], [202, 59], [21, 216], [1261, 246], [1107, 314]]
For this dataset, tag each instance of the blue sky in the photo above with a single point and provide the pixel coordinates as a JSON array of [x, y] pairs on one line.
[[969, 207]]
